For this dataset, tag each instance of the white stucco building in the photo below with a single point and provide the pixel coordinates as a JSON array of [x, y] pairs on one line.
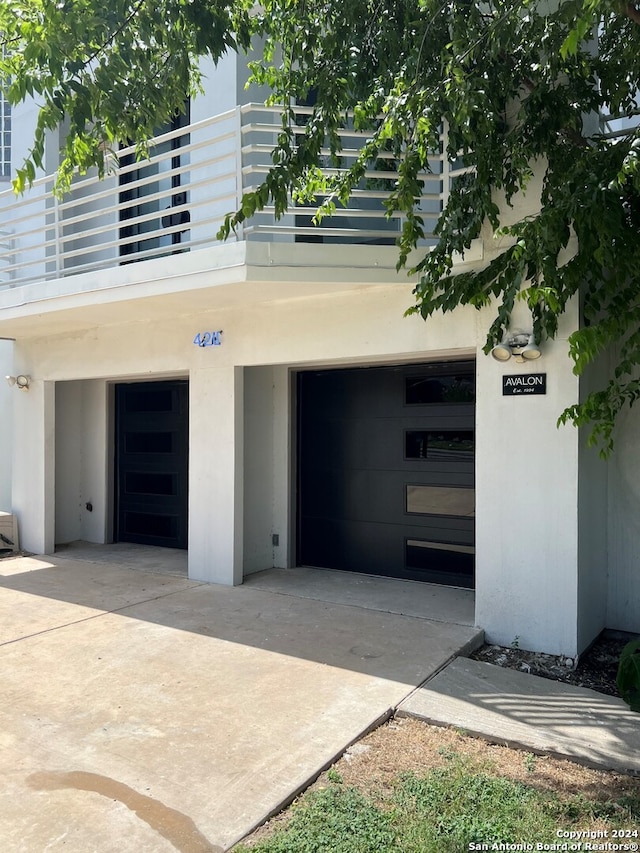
[[264, 402]]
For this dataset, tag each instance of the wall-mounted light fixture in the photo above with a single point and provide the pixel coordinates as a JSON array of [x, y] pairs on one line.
[[521, 345], [21, 381]]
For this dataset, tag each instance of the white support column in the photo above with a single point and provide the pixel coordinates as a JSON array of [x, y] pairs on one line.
[[216, 475], [34, 466], [527, 507]]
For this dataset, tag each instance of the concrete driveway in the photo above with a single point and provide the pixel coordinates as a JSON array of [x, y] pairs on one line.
[[144, 712]]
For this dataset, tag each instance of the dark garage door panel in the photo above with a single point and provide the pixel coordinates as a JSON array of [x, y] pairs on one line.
[[151, 463], [357, 442], [367, 495], [365, 451], [403, 551]]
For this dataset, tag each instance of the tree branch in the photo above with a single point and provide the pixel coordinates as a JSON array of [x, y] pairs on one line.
[[633, 13], [113, 35]]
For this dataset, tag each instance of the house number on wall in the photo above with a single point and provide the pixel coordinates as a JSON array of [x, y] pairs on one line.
[[208, 339]]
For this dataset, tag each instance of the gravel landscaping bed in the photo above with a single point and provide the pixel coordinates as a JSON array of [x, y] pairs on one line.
[[595, 669]]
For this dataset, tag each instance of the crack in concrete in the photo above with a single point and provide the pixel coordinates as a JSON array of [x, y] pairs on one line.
[[94, 615]]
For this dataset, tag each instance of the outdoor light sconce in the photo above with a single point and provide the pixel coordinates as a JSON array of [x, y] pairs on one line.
[[21, 381], [522, 345]]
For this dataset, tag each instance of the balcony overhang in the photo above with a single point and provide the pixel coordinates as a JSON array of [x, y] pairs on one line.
[[218, 277], [142, 243]]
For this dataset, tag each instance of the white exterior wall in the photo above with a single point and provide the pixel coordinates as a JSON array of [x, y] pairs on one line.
[[269, 453], [592, 529], [527, 502], [623, 599], [23, 123], [34, 464], [82, 475], [593, 546], [6, 424], [527, 507], [241, 452], [284, 449], [68, 475]]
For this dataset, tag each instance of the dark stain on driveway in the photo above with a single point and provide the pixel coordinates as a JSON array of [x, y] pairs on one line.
[[171, 824]]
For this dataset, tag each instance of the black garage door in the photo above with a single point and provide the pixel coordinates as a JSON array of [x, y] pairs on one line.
[[151, 463], [386, 471]]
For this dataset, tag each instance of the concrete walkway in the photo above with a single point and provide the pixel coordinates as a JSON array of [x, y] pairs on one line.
[[148, 713], [516, 709]]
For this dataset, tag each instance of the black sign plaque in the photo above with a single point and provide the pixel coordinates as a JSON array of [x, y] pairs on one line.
[[517, 385]]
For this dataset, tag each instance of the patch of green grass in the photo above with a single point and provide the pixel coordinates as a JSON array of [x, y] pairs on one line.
[[447, 753], [447, 810], [337, 819], [443, 811], [624, 812]]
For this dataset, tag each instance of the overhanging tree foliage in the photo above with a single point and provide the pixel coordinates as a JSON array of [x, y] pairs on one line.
[[520, 85]]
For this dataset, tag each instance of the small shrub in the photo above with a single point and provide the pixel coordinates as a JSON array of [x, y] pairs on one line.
[[628, 679]]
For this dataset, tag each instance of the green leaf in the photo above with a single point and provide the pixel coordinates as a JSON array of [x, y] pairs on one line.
[[506, 91]]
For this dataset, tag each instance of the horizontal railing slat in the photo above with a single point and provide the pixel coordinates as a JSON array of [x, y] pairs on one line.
[[95, 226]]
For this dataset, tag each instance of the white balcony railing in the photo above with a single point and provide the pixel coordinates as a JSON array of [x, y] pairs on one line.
[[617, 126], [176, 200]]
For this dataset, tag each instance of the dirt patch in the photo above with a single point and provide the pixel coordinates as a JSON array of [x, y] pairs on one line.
[[596, 668], [409, 745], [406, 745]]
